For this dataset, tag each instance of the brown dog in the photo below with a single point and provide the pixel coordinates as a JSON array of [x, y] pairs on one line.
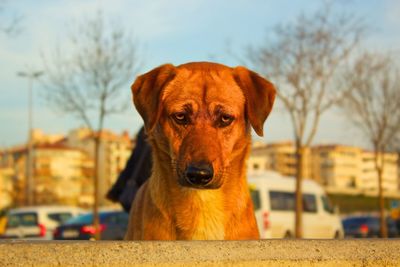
[[197, 117]]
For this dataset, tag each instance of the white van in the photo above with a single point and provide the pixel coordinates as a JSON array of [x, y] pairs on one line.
[[274, 204], [37, 222]]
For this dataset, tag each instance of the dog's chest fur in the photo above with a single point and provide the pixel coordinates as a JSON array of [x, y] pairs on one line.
[[203, 216]]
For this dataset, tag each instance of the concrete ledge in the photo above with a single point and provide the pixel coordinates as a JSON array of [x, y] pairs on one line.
[[202, 253]]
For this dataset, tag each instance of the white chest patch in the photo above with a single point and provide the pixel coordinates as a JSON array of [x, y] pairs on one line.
[[211, 218]]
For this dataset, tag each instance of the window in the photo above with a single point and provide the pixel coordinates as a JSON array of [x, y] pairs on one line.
[[323, 154], [285, 201], [327, 204], [111, 218], [82, 219], [120, 218], [282, 200], [123, 218], [22, 219], [309, 203], [59, 217], [255, 197]]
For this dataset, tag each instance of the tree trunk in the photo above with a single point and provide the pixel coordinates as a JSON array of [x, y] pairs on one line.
[[299, 198], [379, 170], [96, 219]]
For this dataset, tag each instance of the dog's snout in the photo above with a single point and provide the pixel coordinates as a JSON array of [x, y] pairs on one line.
[[199, 174]]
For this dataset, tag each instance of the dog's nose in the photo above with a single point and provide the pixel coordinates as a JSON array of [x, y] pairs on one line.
[[199, 173]]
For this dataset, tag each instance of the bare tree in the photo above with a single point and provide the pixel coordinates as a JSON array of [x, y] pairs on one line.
[[9, 23], [302, 59], [371, 103], [89, 81]]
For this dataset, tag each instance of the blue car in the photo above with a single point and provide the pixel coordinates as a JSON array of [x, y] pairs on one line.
[[367, 226], [113, 225]]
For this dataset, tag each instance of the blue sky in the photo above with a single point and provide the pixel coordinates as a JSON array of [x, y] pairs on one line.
[[174, 31]]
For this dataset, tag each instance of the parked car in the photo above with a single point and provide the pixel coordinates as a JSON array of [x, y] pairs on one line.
[[273, 197], [37, 222], [368, 226], [113, 225]]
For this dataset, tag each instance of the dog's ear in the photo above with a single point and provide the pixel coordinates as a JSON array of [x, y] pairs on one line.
[[260, 96], [147, 90]]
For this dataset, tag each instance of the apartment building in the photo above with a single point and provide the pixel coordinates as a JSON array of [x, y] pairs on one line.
[[114, 152], [280, 157], [337, 165], [62, 174], [6, 187], [13, 162], [39, 137], [64, 166], [390, 179], [258, 159], [339, 168]]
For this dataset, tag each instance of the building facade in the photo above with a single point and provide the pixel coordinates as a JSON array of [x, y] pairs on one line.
[[114, 152], [60, 175], [340, 168], [63, 168], [63, 175], [6, 187], [369, 178], [336, 165], [280, 157]]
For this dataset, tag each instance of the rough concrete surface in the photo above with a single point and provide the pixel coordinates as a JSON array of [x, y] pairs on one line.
[[202, 253]]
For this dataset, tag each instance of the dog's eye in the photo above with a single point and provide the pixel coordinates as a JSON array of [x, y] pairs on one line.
[[181, 118], [225, 120]]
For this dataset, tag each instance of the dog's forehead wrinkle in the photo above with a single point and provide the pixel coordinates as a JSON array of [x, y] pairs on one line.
[[187, 105], [218, 108], [203, 97]]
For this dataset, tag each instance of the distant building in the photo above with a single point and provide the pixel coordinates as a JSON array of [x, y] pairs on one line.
[[339, 168], [63, 167], [39, 137], [114, 151], [279, 156], [6, 187], [336, 166], [13, 169], [369, 178], [62, 174]]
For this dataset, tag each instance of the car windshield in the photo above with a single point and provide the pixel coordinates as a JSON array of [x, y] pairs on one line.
[[59, 217], [22, 219], [255, 197], [87, 218], [327, 204], [82, 219]]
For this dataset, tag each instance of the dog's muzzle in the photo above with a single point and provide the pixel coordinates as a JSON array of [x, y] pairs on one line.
[[198, 175]]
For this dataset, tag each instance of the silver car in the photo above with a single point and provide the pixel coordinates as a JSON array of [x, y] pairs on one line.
[[37, 222]]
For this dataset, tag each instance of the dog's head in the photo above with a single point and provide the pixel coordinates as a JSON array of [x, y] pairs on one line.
[[200, 115]]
